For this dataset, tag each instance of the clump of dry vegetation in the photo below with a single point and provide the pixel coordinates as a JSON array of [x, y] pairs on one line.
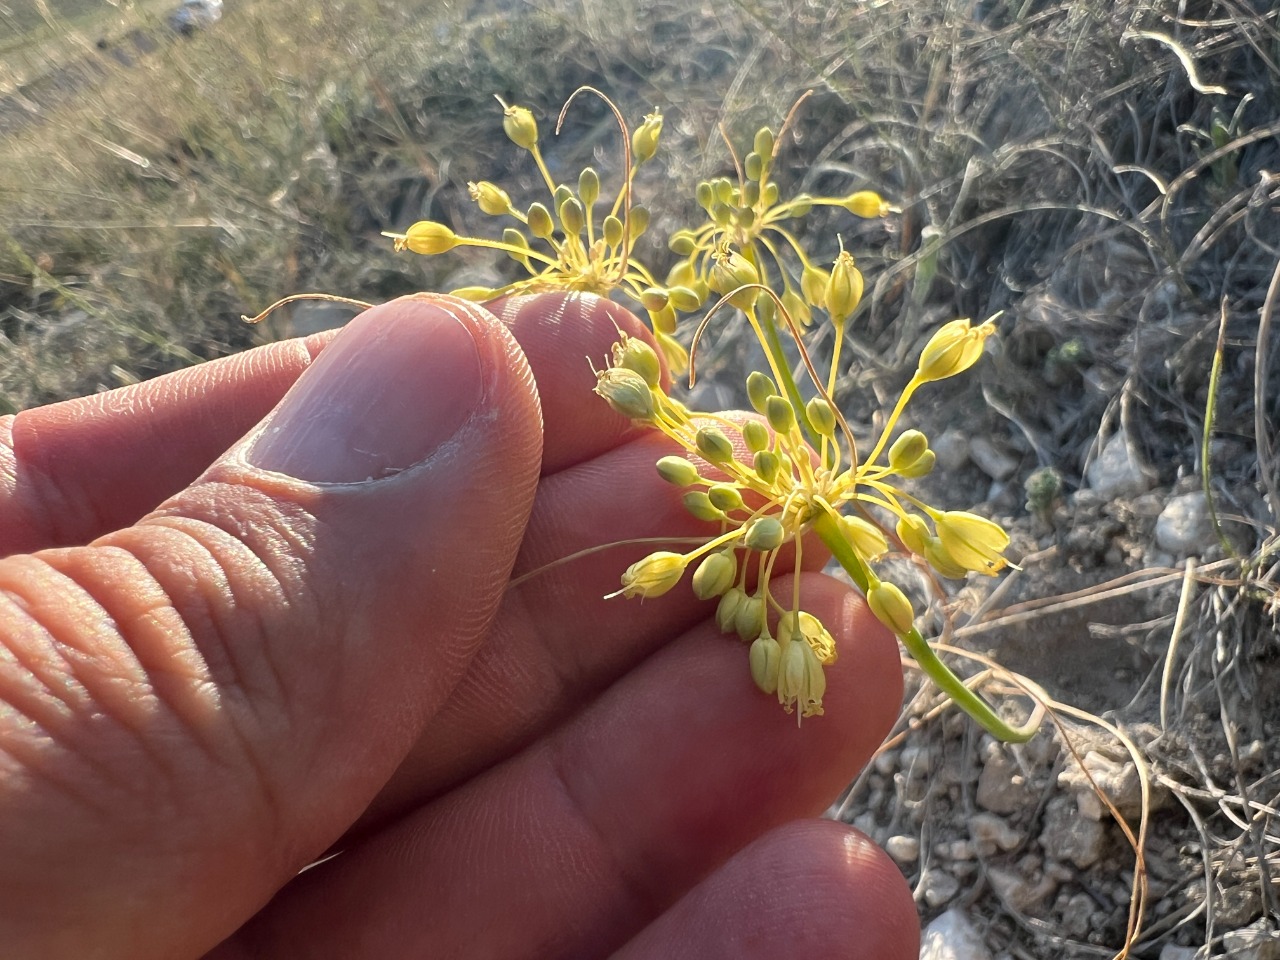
[[1101, 172]]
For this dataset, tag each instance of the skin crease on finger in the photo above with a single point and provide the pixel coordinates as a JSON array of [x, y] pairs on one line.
[[590, 833]]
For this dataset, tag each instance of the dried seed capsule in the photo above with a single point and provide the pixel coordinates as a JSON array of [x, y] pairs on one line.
[[715, 575], [540, 223], [755, 435], [725, 497], [677, 470], [588, 186], [766, 659], [713, 445], [780, 414], [759, 389], [427, 238], [765, 533]]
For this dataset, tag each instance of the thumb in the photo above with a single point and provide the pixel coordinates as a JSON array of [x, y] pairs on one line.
[[195, 706]]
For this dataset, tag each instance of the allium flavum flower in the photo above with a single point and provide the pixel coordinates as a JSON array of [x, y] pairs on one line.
[[762, 484]]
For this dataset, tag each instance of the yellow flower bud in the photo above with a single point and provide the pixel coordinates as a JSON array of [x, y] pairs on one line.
[[588, 186], [844, 288], [613, 231], [519, 125], [491, 198], [971, 541], [725, 497], [682, 244], [748, 618], [654, 575], [705, 195], [781, 415], [907, 449], [715, 575], [677, 356], [637, 222], [914, 533], [514, 238], [766, 533], [763, 143], [654, 298], [684, 299], [867, 540], [801, 205], [821, 416], [813, 284], [767, 466], [572, 217], [626, 392], [427, 238], [713, 445], [759, 389], [700, 506], [755, 435], [866, 204], [664, 320], [941, 562], [801, 680], [474, 294], [798, 310], [953, 349], [540, 222], [677, 470], [891, 607], [766, 660], [727, 608], [644, 142], [922, 466]]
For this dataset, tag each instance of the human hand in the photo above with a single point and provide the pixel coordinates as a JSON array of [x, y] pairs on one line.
[[210, 675]]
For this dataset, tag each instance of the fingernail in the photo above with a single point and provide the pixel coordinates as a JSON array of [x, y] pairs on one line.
[[397, 383]]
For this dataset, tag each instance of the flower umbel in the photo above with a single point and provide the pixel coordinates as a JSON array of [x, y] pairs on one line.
[[760, 484]]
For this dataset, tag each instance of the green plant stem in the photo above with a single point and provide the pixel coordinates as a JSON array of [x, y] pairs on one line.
[[966, 699], [788, 382]]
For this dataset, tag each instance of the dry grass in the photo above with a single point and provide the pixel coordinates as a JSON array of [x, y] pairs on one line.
[[1099, 171]]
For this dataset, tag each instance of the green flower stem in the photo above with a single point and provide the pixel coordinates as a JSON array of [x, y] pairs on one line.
[[970, 702], [788, 382]]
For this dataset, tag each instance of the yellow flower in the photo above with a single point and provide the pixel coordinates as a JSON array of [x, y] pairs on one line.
[[653, 576], [427, 238], [971, 541], [799, 625], [953, 349], [801, 680]]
